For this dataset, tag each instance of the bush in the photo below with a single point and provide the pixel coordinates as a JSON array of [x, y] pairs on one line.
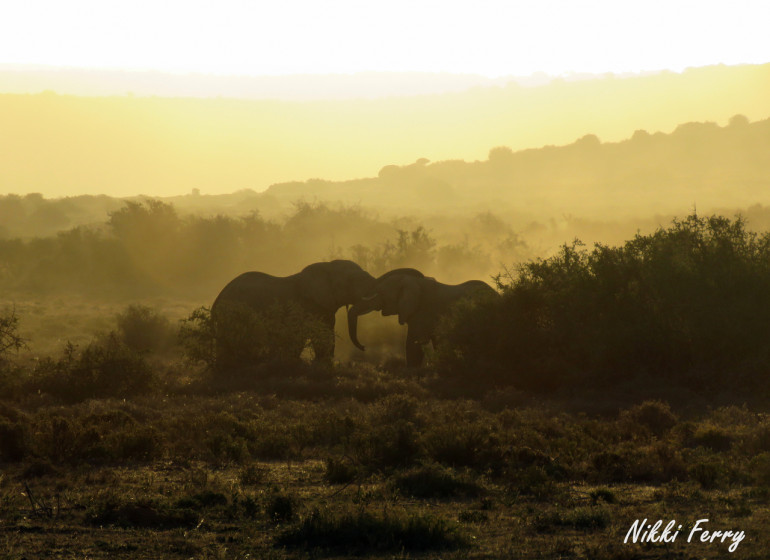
[[675, 308], [387, 446], [281, 507], [196, 336], [143, 329], [581, 519], [13, 441], [709, 473], [339, 472], [434, 481], [251, 475], [713, 438], [363, 533], [656, 416], [10, 341], [144, 513], [105, 368]]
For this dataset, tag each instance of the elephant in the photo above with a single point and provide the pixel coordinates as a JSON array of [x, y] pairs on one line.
[[317, 291], [419, 301]]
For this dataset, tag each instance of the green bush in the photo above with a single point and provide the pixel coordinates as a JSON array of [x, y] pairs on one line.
[[676, 308]]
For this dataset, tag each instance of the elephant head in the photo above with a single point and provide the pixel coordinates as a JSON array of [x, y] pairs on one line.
[[331, 285], [396, 292]]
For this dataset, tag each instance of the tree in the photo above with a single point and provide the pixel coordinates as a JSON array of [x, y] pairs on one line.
[[10, 341]]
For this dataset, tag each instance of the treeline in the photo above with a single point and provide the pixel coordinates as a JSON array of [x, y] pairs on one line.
[[148, 248], [698, 163], [703, 164]]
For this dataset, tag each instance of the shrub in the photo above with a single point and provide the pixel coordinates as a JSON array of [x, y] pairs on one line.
[[390, 436], [656, 416], [469, 444], [196, 336], [10, 341], [134, 443], [339, 472], [203, 500], [713, 438], [604, 494], [13, 441], [473, 516], [104, 368], [388, 445], [251, 475], [143, 513], [674, 309], [281, 507], [533, 481], [143, 329], [709, 474], [362, 533], [434, 481], [582, 519]]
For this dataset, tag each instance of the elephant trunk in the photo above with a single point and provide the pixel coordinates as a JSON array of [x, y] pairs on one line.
[[362, 307]]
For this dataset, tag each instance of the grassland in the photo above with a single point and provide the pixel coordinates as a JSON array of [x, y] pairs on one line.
[[365, 461]]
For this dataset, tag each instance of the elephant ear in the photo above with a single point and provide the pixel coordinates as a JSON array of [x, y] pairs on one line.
[[409, 299]]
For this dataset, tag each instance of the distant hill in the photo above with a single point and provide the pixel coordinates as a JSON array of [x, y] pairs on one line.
[[64, 145], [699, 165]]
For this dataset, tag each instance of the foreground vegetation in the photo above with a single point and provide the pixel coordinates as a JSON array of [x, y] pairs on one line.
[[605, 387], [377, 470]]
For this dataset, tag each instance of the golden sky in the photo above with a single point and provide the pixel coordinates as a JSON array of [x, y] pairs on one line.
[[119, 145]]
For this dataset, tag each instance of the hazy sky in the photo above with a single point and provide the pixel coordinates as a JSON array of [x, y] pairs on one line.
[[489, 37]]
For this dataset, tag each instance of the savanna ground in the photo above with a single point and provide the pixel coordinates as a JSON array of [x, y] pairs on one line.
[[606, 386], [374, 463]]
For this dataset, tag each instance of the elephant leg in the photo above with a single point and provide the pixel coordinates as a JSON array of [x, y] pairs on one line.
[[323, 343], [414, 352]]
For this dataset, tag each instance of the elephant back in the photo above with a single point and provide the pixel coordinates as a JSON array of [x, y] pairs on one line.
[[256, 289], [474, 287], [413, 272]]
